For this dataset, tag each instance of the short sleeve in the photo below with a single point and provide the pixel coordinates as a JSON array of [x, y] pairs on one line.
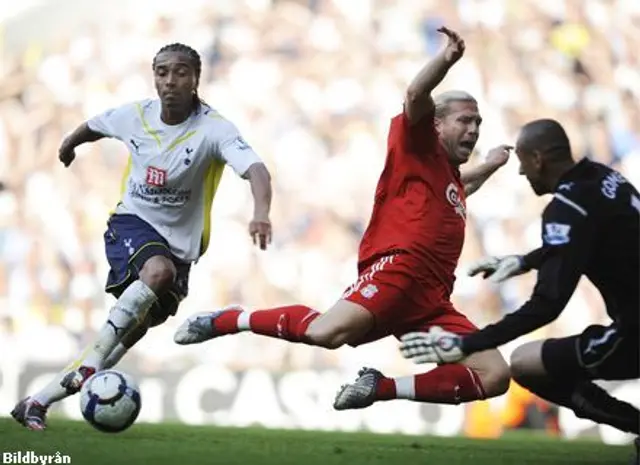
[[415, 137], [115, 122], [232, 148]]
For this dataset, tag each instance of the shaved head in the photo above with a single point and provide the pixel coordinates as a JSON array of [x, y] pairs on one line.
[[544, 136], [544, 152]]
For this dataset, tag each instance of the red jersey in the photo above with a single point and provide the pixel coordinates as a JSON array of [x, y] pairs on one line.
[[419, 206]]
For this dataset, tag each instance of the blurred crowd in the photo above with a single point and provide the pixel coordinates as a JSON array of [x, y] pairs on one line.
[[312, 84]]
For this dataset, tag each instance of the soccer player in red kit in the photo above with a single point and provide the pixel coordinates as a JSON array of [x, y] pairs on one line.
[[407, 256]]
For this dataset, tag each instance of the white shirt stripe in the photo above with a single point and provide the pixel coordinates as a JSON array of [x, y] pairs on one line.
[[571, 203]]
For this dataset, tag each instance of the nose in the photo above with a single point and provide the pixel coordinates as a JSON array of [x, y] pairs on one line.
[[473, 129], [170, 79], [520, 170]]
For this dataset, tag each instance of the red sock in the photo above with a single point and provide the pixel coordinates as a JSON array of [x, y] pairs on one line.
[[289, 323], [446, 384]]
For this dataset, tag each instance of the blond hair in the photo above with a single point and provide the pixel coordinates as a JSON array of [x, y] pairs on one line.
[[443, 100]]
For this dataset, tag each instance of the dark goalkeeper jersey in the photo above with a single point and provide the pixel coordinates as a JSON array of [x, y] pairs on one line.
[[590, 228]]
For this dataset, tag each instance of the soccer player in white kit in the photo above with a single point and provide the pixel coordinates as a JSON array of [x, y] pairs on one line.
[[179, 147]]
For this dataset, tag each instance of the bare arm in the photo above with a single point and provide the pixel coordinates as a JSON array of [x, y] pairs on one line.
[[260, 180], [82, 134], [473, 178], [260, 227], [418, 100]]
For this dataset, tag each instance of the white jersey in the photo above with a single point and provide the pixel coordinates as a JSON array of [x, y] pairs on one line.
[[174, 171]]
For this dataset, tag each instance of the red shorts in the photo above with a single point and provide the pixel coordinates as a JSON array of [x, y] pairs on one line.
[[401, 301]]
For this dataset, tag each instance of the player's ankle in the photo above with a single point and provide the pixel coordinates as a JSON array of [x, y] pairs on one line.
[[93, 361], [226, 322], [40, 400], [385, 389]]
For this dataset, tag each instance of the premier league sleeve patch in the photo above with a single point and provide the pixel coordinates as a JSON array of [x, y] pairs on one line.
[[556, 234]]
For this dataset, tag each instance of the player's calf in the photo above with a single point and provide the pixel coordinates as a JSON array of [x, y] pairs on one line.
[[482, 376], [563, 384], [447, 384], [492, 371], [130, 310], [344, 323]]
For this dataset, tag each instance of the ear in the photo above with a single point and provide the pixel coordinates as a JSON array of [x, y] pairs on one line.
[[437, 124], [538, 159]]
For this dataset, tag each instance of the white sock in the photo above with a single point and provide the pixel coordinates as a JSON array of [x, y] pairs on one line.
[[243, 321], [129, 310], [53, 392], [115, 356], [405, 387]]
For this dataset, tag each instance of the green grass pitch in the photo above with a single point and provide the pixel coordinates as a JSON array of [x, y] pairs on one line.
[[173, 444]]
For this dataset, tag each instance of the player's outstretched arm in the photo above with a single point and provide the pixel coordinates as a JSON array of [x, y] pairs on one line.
[[557, 280], [473, 178], [499, 269], [418, 101], [260, 227], [230, 146], [82, 134]]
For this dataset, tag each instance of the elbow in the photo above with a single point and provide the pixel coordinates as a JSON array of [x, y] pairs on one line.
[[548, 309], [470, 188], [258, 172], [412, 96]]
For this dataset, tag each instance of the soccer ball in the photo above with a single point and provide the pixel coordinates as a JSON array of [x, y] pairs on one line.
[[110, 401]]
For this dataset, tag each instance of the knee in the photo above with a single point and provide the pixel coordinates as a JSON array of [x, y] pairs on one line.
[[519, 363], [526, 362], [344, 323], [326, 337], [495, 375], [159, 273]]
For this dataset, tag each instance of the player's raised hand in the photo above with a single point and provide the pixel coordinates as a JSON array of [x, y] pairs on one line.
[[455, 45], [436, 346], [498, 269], [260, 231], [66, 153], [499, 156]]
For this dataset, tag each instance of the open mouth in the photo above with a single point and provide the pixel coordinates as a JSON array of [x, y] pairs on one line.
[[467, 145]]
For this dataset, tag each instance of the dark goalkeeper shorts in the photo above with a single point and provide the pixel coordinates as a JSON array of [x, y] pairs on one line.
[[599, 352]]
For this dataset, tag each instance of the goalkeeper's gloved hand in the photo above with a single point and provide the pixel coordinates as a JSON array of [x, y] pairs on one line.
[[498, 269], [436, 346]]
